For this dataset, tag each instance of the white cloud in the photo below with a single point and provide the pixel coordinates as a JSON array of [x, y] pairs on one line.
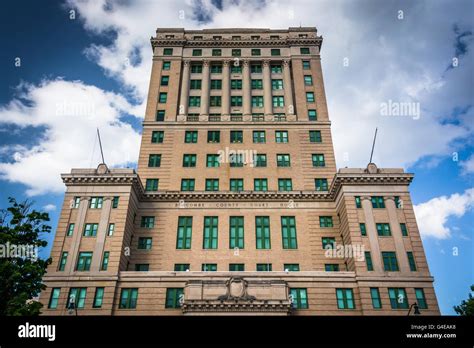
[[432, 216], [69, 113], [49, 207], [468, 165]]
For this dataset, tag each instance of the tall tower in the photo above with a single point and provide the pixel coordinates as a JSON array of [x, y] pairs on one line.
[[236, 206]]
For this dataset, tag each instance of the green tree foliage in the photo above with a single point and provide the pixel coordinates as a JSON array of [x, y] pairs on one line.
[[21, 277], [466, 308]]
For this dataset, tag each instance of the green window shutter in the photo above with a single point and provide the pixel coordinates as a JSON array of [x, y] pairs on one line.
[[288, 230], [210, 232], [236, 232], [262, 230], [184, 232]]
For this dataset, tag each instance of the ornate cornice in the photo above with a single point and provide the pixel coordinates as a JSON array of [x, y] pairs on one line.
[[317, 41], [236, 306]]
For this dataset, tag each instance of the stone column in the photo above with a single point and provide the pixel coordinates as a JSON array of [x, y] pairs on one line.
[[205, 89], [267, 89], [226, 88], [402, 257], [247, 92], [183, 102], [288, 88], [98, 254], [77, 235], [372, 234]]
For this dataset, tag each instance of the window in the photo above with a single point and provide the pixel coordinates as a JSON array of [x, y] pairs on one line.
[[160, 115], [197, 52], [236, 185], [209, 267], [288, 231], [96, 202], [154, 160], [383, 230], [216, 52], [304, 50], [257, 84], [281, 136], [181, 267], [259, 136], [277, 84], [411, 261], [358, 202], [174, 297], [166, 65], [328, 242], [236, 69], [283, 160], [54, 298], [128, 298], [167, 51], [216, 68], [377, 202], [165, 80], [314, 136], [190, 137], [236, 136], [77, 201], [144, 243], [312, 115], [256, 68], [398, 202], [276, 69], [236, 84], [90, 230], [260, 184], [196, 68], [110, 230], [236, 53], [375, 295], [291, 267], [299, 298], [275, 52], [187, 184], [213, 136], [325, 221], [151, 185], [306, 65], [321, 184], [63, 261], [84, 261], [195, 84], [318, 160], [185, 225], [147, 222], [345, 299], [331, 267], [162, 97], [236, 232], [189, 160], [236, 267], [79, 295], [212, 184], [264, 267], [404, 230], [70, 230], [390, 261], [216, 84], [368, 261], [255, 52], [262, 231], [278, 101], [157, 137], [142, 267], [398, 298], [194, 101], [98, 297], [420, 298], [236, 160], [212, 161], [257, 101], [285, 185], [363, 229], [260, 160], [308, 80], [310, 97], [105, 261]]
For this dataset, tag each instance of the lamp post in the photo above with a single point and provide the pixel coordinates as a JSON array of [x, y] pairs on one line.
[[416, 309]]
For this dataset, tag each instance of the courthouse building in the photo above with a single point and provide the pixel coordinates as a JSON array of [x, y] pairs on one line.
[[237, 207]]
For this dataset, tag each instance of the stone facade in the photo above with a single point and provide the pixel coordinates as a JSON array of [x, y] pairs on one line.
[[130, 252]]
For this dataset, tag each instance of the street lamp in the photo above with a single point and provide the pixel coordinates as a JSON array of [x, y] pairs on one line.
[[416, 309]]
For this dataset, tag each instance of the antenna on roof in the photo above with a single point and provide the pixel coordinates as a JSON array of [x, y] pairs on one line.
[[100, 144], [373, 145]]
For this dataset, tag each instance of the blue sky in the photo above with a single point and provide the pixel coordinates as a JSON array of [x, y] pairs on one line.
[[98, 57]]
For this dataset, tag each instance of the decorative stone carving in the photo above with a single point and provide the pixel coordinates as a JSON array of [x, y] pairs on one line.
[[236, 290]]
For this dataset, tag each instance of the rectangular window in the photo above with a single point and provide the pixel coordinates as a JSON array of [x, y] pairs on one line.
[[216, 68], [181, 267], [420, 298], [195, 84], [299, 298], [291, 267], [236, 232], [236, 69], [390, 263], [318, 160], [257, 84], [278, 101], [281, 136], [144, 243], [328, 242], [212, 161], [236, 160], [151, 185], [256, 68], [84, 261], [216, 84], [212, 184], [260, 160], [321, 184], [160, 115], [308, 80], [216, 52], [194, 101], [411, 261], [403, 228], [154, 160], [235, 84], [190, 137], [128, 298], [111, 229], [157, 137], [105, 261], [209, 267], [147, 222], [283, 160], [363, 229], [277, 84], [276, 69], [257, 101], [315, 136], [163, 97], [63, 261], [304, 50], [325, 221], [236, 53], [166, 65], [165, 80], [54, 298], [383, 230], [167, 51], [310, 97], [236, 185], [259, 136], [358, 202], [285, 185], [185, 225], [331, 267], [375, 295], [174, 297], [196, 68], [312, 115], [213, 136], [96, 202], [377, 202], [77, 201], [255, 52], [187, 184], [70, 230], [306, 65], [189, 160], [288, 231], [142, 267], [197, 52], [368, 261], [260, 184], [398, 202], [345, 299], [98, 298], [90, 230], [79, 295], [264, 267], [398, 298], [262, 231], [236, 267], [236, 136]]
